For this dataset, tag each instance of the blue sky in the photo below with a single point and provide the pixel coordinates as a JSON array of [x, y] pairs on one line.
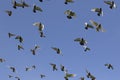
[[60, 32]]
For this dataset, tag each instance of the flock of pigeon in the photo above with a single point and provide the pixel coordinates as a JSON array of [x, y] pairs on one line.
[[70, 14]]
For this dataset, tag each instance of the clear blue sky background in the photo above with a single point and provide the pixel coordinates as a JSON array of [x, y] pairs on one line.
[[60, 32]]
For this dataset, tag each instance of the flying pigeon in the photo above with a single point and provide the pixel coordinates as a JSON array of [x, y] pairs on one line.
[[10, 35], [68, 75], [54, 66], [9, 12], [17, 78], [42, 75], [109, 66], [20, 47], [58, 51], [24, 4], [68, 1], [70, 14], [19, 38], [10, 76], [111, 4], [42, 34], [97, 25], [13, 69], [2, 60], [62, 68], [87, 26], [98, 10], [39, 25], [89, 75], [36, 8], [16, 4], [82, 41]]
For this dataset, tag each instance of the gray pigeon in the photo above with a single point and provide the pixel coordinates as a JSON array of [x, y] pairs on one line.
[[111, 4], [98, 10]]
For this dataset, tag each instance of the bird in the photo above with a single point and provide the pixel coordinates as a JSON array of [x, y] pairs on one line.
[[13, 69], [39, 25], [20, 47], [68, 1], [87, 26], [10, 35], [62, 68], [58, 51], [17, 78], [82, 41], [98, 26], [70, 14], [41, 0], [109, 66], [19, 38], [98, 10], [54, 66], [33, 51], [111, 4], [16, 4], [24, 4], [33, 66], [68, 75], [89, 75], [36, 8], [9, 12], [10, 76], [42, 34], [27, 69], [86, 48], [2, 60], [42, 75]]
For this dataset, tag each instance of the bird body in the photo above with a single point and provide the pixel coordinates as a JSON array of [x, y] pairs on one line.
[[36, 8], [54, 66], [109, 66]]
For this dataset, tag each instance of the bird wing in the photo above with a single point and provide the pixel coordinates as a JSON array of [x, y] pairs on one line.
[[108, 2], [94, 23], [67, 12], [54, 48], [77, 39], [39, 9], [95, 10]]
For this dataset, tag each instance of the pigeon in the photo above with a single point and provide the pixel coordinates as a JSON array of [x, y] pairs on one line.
[[54, 66], [42, 34], [97, 25], [111, 4], [86, 48], [68, 75], [17, 78], [70, 14], [58, 51], [41, 0], [36, 8], [39, 25], [82, 41], [109, 66], [42, 75], [98, 10], [68, 1], [13, 69], [10, 35], [62, 68], [24, 4], [19, 38], [87, 26], [16, 4], [2, 60], [20, 47], [89, 75], [33, 51], [33, 67], [10, 76], [9, 12]]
